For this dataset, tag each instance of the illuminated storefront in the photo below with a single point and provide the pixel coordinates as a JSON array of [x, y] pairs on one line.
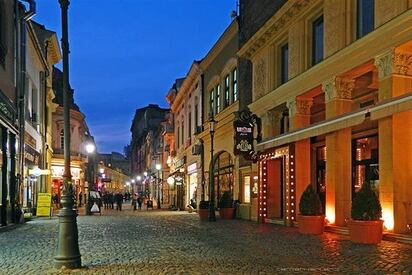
[[57, 172]]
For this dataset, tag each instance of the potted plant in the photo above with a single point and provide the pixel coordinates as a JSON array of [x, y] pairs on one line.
[[203, 210], [226, 210], [366, 225], [311, 220]]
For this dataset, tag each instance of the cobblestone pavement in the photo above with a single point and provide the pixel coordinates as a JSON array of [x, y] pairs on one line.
[[164, 242]]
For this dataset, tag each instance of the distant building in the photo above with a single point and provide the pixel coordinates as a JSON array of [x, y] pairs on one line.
[[145, 143], [115, 160]]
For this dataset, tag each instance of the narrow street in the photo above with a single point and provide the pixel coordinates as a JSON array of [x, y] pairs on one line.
[[167, 242]]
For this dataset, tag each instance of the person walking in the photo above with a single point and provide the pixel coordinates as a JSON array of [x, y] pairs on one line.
[[140, 202], [119, 201], [134, 201]]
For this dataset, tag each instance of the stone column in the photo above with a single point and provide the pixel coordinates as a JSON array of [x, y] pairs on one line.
[[395, 140], [338, 93], [299, 117]]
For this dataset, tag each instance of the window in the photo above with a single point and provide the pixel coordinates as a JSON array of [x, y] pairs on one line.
[[196, 115], [234, 85], [183, 131], [246, 189], [317, 40], [62, 139], [227, 88], [190, 125], [365, 17], [212, 102], [217, 98], [284, 63], [284, 122], [178, 136]]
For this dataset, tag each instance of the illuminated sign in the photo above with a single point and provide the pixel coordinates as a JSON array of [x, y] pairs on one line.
[[58, 171]]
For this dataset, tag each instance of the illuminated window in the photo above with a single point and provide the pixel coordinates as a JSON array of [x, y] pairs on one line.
[[246, 189], [234, 85], [62, 139], [227, 88]]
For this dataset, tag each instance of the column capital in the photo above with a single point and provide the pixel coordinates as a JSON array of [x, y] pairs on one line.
[[338, 88], [299, 106], [394, 62]]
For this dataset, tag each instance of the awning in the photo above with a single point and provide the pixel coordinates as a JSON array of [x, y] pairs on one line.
[[383, 109]]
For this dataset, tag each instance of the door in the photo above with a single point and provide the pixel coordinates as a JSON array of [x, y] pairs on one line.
[[275, 188]]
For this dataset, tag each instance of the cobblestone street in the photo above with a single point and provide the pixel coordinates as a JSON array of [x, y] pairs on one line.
[[164, 242]]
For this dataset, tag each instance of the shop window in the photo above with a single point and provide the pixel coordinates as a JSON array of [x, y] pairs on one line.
[[317, 40], [246, 189], [365, 163], [321, 174], [365, 17]]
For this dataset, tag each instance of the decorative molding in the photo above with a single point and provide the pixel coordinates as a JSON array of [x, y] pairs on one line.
[[384, 64], [402, 63], [338, 88], [394, 62], [259, 82], [274, 25], [299, 106]]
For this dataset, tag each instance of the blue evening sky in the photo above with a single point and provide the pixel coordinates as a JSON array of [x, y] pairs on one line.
[[125, 54]]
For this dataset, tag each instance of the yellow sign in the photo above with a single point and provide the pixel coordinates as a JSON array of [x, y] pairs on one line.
[[43, 204]]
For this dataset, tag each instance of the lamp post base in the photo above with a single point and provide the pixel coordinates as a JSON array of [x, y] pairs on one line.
[[67, 252], [212, 215]]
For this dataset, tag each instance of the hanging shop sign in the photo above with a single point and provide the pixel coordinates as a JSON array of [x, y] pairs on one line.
[[37, 172], [243, 138], [180, 163], [244, 125], [43, 205], [7, 110], [31, 156]]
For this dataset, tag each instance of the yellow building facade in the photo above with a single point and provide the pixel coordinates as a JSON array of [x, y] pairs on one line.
[[335, 102]]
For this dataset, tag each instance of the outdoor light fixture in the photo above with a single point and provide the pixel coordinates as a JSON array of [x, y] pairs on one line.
[[145, 173], [101, 170], [158, 166], [212, 214], [90, 148], [138, 178], [133, 181], [128, 183], [170, 180]]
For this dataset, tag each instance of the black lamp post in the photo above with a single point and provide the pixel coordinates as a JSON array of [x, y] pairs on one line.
[[212, 215], [159, 182], [67, 251]]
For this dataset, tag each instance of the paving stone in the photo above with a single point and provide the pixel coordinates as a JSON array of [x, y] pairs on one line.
[[165, 242]]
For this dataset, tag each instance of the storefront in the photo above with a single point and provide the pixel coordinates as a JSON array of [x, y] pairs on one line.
[[192, 185], [57, 172], [31, 183], [223, 173]]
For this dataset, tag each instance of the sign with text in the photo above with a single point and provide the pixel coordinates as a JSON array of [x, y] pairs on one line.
[[43, 204], [243, 138]]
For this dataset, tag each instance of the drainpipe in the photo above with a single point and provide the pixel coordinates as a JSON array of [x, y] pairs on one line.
[[21, 80], [45, 74]]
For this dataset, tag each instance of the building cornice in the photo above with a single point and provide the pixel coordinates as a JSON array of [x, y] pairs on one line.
[[359, 52], [286, 14], [190, 78]]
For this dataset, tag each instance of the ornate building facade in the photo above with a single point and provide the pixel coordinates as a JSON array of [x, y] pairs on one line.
[[335, 101]]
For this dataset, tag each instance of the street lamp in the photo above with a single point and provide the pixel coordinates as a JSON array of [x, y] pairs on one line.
[[67, 252], [158, 168], [212, 214], [90, 149]]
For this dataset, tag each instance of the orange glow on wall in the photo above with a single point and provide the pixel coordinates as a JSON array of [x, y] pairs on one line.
[[387, 217], [330, 213]]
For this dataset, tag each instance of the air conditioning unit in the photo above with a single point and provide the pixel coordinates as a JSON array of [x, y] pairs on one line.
[[196, 149]]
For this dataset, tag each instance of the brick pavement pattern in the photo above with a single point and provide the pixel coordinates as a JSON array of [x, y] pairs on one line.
[[164, 242]]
